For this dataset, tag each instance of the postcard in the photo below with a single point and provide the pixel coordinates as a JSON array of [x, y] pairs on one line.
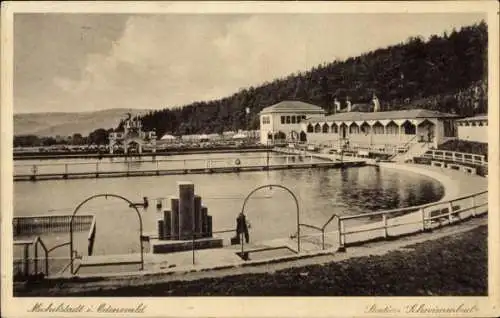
[[250, 159]]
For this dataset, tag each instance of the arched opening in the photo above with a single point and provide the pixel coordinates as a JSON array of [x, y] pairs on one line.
[[280, 135], [317, 128], [132, 147], [269, 136], [426, 130], [378, 128], [365, 128], [325, 128], [334, 129], [310, 128], [354, 128], [303, 136], [391, 128], [343, 130], [409, 128]]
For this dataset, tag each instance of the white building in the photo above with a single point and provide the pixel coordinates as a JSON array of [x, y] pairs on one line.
[[473, 128], [369, 129], [283, 121]]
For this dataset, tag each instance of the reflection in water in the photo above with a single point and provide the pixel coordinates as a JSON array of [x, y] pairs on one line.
[[272, 213]]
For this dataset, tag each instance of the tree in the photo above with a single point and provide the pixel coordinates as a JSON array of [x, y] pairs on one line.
[[77, 139], [416, 73], [98, 137], [26, 141]]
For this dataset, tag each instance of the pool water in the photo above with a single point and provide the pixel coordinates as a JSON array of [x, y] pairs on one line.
[[270, 212]]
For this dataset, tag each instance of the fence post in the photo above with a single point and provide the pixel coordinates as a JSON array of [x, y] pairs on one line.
[[323, 238], [157, 167], [473, 199], [26, 260], [450, 211], [384, 221], [35, 260], [66, 169], [97, 168], [422, 214], [340, 226]]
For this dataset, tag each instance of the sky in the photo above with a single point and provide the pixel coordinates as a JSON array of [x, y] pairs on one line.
[[87, 62]]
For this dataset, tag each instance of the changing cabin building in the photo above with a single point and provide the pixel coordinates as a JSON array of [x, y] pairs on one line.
[[283, 121], [473, 128], [372, 130]]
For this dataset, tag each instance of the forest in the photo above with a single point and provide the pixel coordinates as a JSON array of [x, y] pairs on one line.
[[446, 73]]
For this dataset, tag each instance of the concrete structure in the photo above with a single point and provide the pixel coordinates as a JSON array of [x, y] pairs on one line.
[[186, 210], [132, 135], [380, 128], [186, 225], [283, 121], [473, 128]]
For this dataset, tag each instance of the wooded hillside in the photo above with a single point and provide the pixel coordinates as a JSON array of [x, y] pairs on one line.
[[446, 73]]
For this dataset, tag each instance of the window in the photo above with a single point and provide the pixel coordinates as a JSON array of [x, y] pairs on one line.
[[294, 119], [299, 119], [266, 120], [310, 128], [288, 119], [282, 119]]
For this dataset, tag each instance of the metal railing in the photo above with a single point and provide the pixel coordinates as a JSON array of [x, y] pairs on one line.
[[412, 219], [127, 166], [91, 237], [25, 225], [405, 147], [459, 157], [396, 222], [49, 223], [29, 266]]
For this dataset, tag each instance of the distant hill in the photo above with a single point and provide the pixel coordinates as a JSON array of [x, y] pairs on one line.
[[66, 124]]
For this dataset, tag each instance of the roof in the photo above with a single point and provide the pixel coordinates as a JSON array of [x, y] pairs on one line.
[[477, 117], [167, 136], [293, 106], [362, 107], [395, 114]]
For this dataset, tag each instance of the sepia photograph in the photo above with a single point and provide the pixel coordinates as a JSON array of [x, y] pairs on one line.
[[311, 151]]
